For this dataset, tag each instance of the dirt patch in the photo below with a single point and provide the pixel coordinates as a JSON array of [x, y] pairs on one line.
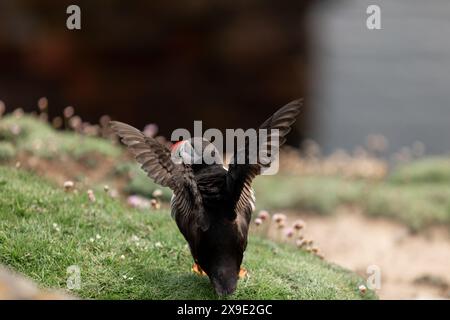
[[413, 266], [66, 168]]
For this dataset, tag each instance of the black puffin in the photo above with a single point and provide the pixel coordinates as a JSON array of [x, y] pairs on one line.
[[211, 205]]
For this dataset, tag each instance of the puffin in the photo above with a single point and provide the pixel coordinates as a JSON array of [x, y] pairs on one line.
[[211, 205]]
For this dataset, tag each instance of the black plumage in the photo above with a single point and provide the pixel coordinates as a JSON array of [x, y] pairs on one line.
[[212, 206]]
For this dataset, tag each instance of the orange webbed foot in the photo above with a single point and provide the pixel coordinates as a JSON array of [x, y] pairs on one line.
[[198, 270], [242, 273]]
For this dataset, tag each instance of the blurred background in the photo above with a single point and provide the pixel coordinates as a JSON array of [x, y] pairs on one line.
[[232, 64], [392, 81], [367, 165], [229, 64]]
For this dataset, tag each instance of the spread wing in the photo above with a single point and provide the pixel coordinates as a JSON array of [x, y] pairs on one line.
[[156, 161], [241, 174]]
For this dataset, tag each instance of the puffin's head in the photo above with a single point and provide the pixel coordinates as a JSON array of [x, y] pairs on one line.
[[195, 151], [224, 278], [220, 254]]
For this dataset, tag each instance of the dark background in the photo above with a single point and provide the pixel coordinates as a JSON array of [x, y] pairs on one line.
[[228, 63]]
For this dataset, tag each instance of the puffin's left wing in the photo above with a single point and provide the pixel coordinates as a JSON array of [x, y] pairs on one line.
[[156, 161], [240, 176]]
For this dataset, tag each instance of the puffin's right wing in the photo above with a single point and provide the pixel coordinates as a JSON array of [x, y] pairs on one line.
[[156, 161], [240, 176]]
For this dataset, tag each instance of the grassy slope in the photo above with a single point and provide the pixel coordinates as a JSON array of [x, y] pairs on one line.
[[159, 262], [417, 194], [39, 138]]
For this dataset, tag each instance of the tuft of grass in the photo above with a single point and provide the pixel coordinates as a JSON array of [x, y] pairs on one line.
[[427, 170], [417, 205], [125, 253], [34, 136], [7, 151], [138, 181], [321, 194]]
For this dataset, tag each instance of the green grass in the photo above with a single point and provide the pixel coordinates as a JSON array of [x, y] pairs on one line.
[[7, 151], [155, 255], [418, 205], [319, 194], [427, 170], [138, 181], [27, 133]]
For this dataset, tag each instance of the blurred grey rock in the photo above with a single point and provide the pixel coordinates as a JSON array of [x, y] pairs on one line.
[[14, 286]]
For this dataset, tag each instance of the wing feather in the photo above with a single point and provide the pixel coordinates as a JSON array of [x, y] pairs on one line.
[[155, 159], [240, 176]]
